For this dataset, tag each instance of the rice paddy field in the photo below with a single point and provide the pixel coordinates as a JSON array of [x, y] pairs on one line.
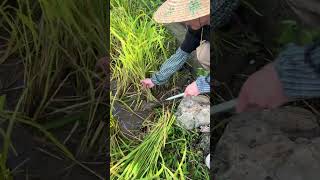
[[145, 141], [52, 99], [55, 64]]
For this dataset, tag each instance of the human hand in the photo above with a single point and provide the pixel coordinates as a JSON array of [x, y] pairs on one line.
[[147, 83], [192, 90], [262, 89]]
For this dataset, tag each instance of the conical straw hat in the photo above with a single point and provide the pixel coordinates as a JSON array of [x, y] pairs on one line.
[[181, 10]]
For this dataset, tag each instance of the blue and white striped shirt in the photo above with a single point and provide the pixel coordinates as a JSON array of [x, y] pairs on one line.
[[172, 65]]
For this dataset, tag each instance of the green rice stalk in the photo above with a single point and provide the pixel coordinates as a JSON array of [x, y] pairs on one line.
[[141, 162], [59, 42], [138, 48]]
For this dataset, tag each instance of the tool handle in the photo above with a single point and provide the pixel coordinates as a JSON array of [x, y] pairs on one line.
[[223, 107]]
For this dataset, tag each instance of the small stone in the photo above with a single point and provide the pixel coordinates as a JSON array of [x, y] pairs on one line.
[[194, 112], [205, 128], [205, 143], [251, 62]]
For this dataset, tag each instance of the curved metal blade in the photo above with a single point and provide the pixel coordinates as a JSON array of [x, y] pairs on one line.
[[174, 97]]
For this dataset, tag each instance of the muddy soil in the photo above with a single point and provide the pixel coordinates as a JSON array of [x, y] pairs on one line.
[[131, 123], [36, 157]]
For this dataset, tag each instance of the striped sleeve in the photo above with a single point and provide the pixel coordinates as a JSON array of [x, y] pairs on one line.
[[203, 84], [168, 68], [300, 77]]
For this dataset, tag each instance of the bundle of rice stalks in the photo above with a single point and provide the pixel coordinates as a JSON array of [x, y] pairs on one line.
[[142, 162]]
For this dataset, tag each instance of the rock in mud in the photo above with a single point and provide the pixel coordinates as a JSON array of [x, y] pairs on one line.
[[194, 112], [205, 143], [279, 144]]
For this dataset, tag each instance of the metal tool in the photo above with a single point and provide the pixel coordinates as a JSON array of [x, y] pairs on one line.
[[223, 107], [175, 96]]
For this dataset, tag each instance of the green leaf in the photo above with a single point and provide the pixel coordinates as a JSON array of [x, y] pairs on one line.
[[57, 123], [201, 72]]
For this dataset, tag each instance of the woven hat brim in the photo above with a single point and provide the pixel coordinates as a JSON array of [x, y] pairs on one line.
[[178, 11]]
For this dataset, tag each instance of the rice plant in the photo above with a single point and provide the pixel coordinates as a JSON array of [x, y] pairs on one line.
[[138, 47], [165, 153], [142, 161], [59, 43], [182, 156]]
